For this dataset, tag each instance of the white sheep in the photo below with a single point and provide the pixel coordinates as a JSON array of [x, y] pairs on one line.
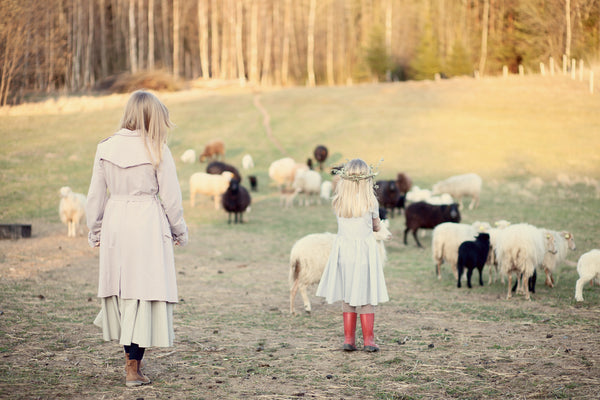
[[309, 256], [71, 209], [443, 198], [564, 241], [326, 188], [189, 156], [283, 171], [459, 186], [209, 184], [447, 238], [520, 248], [588, 268], [247, 162], [416, 194], [308, 183], [492, 261]]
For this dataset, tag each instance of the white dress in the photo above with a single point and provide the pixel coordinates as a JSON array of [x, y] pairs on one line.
[[354, 271]]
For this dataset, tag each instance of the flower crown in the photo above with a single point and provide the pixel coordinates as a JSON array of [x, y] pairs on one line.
[[343, 173]]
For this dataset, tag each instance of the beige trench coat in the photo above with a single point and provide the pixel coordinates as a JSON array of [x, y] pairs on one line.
[[134, 213]]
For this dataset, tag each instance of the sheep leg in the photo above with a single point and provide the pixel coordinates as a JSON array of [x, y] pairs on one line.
[[305, 299], [293, 291], [549, 281], [579, 287], [460, 268], [509, 293], [469, 275], [416, 238], [480, 276], [526, 288], [439, 269], [405, 233]]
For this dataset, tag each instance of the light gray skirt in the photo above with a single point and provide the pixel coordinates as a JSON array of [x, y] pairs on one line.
[[146, 323]]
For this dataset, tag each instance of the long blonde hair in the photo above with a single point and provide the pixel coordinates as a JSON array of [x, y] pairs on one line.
[[145, 113], [354, 193]]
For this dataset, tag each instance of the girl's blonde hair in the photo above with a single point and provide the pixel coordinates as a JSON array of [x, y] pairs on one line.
[[145, 113], [354, 193]]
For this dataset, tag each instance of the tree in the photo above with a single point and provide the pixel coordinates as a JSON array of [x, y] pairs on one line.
[[426, 62]]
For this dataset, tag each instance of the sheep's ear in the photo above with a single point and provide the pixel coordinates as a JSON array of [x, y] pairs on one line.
[[567, 236]]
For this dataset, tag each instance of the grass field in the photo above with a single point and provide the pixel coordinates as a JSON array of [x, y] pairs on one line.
[[533, 140]]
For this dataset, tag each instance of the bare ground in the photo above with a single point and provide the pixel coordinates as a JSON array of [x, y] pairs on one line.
[[236, 339]]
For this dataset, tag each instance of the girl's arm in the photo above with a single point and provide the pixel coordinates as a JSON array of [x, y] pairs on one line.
[[376, 224], [96, 201], [170, 196]]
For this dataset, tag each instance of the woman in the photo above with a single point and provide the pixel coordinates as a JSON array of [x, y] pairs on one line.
[[134, 213]]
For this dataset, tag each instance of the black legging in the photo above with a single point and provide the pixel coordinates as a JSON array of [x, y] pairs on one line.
[[135, 352]]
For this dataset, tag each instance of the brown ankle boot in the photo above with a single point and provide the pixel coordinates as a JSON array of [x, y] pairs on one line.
[[142, 362], [134, 375]]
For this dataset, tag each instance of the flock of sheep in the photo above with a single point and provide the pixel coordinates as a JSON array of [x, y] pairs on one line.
[[507, 249]]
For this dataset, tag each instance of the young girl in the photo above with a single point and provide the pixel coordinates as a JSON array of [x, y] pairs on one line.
[[354, 271], [134, 213]]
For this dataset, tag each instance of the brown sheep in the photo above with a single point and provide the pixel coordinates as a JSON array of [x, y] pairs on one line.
[[213, 150], [404, 182]]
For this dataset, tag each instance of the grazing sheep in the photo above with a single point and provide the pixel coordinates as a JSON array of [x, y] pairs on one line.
[[459, 186], [416, 194], [428, 216], [564, 242], [213, 150], [326, 187], [283, 171], [247, 162], [320, 154], [588, 268], [209, 184], [236, 201], [388, 195], [189, 156], [308, 183], [443, 198], [473, 254], [253, 183], [403, 182], [217, 167], [446, 239], [520, 248], [309, 256], [492, 260], [71, 209]]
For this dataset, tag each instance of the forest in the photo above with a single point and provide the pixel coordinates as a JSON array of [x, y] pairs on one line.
[[75, 46]]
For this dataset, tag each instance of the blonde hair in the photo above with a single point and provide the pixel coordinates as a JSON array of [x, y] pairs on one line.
[[354, 194], [146, 114]]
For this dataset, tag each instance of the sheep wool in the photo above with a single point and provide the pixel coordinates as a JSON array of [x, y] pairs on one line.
[[71, 210], [588, 268], [459, 186], [209, 184]]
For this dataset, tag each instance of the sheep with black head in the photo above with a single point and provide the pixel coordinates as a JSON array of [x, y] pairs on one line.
[[473, 254], [236, 201]]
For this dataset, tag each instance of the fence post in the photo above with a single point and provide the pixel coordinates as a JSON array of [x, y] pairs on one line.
[[591, 82], [504, 71], [580, 70], [542, 69], [564, 64], [573, 68], [552, 66], [521, 70]]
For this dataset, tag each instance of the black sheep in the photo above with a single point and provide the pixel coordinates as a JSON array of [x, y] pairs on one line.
[[253, 183], [235, 200], [382, 213], [320, 154], [388, 196], [428, 216], [217, 167], [473, 254]]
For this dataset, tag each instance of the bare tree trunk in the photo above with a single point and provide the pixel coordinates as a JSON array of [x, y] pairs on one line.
[[330, 75], [103, 56], [484, 36], [203, 37], [166, 56], [568, 29], [287, 30], [214, 34], [238, 43], [132, 38], [88, 78], [310, 51], [267, 18], [77, 44], [151, 35], [253, 45], [141, 34], [277, 35], [388, 35], [176, 39]]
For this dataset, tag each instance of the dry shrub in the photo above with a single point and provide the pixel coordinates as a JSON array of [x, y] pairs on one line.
[[150, 80]]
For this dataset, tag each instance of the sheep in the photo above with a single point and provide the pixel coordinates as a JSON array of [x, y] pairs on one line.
[[253, 183], [446, 239], [492, 260], [283, 171], [520, 248], [235, 200], [416, 194], [459, 186], [247, 162], [287, 196], [388, 195], [588, 268], [443, 198], [214, 149], [309, 256], [404, 182], [473, 254], [320, 154], [216, 167], [564, 241], [189, 156], [326, 187], [209, 184], [428, 216], [71, 209], [308, 183]]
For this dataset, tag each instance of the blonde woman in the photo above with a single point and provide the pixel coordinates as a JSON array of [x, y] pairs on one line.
[[354, 271], [135, 215]]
